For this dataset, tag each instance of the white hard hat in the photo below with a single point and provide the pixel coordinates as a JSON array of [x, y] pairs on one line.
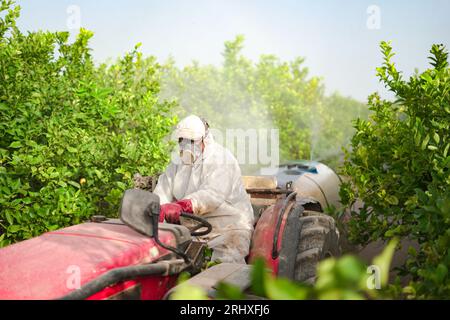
[[191, 127]]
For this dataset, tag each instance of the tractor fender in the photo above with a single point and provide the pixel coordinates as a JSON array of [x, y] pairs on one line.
[[321, 186], [276, 236]]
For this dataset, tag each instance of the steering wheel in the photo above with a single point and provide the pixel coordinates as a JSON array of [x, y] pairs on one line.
[[202, 223]]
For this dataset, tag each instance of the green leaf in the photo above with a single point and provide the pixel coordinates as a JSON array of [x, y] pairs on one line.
[[436, 138], [350, 269], [258, 277], [426, 76], [16, 144], [383, 261], [425, 142], [421, 195], [71, 149], [392, 200], [9, 218], [447, 109], [187, 291], [98, 173], [13, 228], [412, 251], [440, 273], [340, 294], [121, 185], [326, 274], [62, 184], [228, 292], [75, 184], [283, 289], [446, 150]]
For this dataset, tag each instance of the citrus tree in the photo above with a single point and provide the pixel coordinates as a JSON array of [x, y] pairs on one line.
[[72, 134], [399, 167]]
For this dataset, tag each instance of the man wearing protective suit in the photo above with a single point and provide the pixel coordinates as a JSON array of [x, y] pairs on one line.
[[207, 182]]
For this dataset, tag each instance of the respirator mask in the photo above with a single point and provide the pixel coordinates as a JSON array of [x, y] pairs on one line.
[[190, 150]]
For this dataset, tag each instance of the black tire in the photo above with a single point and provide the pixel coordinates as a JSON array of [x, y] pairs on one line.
[[319, 239]]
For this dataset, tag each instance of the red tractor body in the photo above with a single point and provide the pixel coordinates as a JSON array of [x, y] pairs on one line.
[[53, 264]]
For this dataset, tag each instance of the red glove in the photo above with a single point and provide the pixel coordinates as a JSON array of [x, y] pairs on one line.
[[186, 205], [172, 211]]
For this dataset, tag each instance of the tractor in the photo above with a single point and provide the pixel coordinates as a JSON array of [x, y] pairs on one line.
[[135, 257]]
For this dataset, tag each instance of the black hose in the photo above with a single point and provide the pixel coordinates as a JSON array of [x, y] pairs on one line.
[[205, 224], [153, 211], [118, 275], [174, 250]]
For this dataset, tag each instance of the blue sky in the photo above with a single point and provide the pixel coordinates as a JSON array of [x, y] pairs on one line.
[[332, 35]]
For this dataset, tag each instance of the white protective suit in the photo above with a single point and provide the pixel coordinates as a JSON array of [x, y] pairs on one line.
[[214, 185]]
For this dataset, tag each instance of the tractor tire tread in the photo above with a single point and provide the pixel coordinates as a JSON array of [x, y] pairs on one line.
[[319, 239]]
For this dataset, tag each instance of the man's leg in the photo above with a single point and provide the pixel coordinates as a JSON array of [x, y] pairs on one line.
[[233, 247]]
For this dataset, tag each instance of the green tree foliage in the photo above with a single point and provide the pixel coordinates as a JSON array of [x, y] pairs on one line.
[[267, 94], [399, 167], [72, 134]]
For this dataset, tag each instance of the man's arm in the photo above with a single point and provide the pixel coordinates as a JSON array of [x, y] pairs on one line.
[[214, 190], [164, 186]]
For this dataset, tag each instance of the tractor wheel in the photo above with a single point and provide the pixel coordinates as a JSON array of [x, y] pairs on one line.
[[319, 239]]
